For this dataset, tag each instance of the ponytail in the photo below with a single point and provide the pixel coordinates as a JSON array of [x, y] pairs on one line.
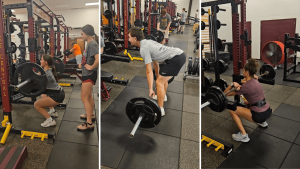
[[54, 72], [97, 39]]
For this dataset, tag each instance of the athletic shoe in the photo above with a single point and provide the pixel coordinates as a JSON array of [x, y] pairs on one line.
[[240, 137], [155, 98], [52, 113], [181, 32], [48, 123], [263, 124], [162, 111]]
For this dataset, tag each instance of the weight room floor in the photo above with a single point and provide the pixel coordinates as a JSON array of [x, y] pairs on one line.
[[71, 147], [277, 146], [174, 143]]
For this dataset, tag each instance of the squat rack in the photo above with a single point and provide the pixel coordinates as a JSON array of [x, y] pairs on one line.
[[5, 61]]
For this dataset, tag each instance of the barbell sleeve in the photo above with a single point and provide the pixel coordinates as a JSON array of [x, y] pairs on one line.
[[266, 73], [17, 87], [136, 125], [205, 104]]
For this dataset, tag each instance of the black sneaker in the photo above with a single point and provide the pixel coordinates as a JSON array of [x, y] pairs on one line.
[[181, 32]]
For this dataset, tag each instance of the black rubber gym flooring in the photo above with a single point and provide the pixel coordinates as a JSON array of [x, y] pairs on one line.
[[174, 143], [71, 148], [277, 146]]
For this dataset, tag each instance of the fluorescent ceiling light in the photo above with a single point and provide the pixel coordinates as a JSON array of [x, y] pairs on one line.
[[90, 4], [13, 10]]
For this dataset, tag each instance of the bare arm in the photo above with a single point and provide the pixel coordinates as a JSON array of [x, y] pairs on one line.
[[158, 25], [96, 63], [101, 50], [149, 73]]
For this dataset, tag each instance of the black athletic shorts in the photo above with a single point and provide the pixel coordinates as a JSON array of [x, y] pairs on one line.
[[57, 95], [262, 116], [182, 23], [171, 67], [91, 78]]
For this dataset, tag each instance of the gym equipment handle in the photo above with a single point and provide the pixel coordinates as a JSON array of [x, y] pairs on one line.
[[17, 87], [136, 125]]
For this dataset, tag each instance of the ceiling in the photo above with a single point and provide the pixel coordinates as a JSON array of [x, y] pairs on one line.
[[56, 5]]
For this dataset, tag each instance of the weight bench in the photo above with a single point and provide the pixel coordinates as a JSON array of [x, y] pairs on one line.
[[105, 77]]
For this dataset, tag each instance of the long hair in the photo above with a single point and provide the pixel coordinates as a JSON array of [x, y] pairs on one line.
[[251, 67], [49, 60], [89, 30]]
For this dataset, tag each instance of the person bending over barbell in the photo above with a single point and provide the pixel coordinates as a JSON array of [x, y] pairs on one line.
[[166, 60], [77, 53], [163, 24], [54, 98], [259, 110]]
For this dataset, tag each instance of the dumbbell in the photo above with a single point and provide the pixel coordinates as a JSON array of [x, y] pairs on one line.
[[216, 99], [219, 24], [195, 68], [190, 65]]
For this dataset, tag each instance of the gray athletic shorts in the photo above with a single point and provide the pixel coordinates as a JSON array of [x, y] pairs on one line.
[[78, 59]]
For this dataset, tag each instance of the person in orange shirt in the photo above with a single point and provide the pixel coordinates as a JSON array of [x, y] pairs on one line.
[[77, 52]]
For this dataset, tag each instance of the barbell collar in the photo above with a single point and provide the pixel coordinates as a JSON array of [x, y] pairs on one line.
[[17, 87], [137, 124]]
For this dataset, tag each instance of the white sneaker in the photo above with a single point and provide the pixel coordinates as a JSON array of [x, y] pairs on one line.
[[155, 98], [162, 110], [240, 137], [52, 113], [48, 123], [263, 124]]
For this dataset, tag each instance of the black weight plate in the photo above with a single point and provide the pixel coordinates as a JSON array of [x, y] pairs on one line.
[[202, 25], [218, 24], [208, 82], [67, 52], [206, 64], [11, 28], [195, 66], [14, 46], [220, 44], [222, 84], [59, 65], [217, 98], [222, 66], [159, 35], [110, 48], [34, 72], [190, 65], [143, 105], [270, 69], [151, 37], [107, 14], [154, 76], [202, 11]]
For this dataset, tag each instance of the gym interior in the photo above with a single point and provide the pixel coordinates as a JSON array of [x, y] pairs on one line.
[[231, 33], [33, 29], [136, 139]]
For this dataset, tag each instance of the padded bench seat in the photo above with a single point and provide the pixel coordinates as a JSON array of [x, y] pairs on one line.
[[70, 70], [106, 77]]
